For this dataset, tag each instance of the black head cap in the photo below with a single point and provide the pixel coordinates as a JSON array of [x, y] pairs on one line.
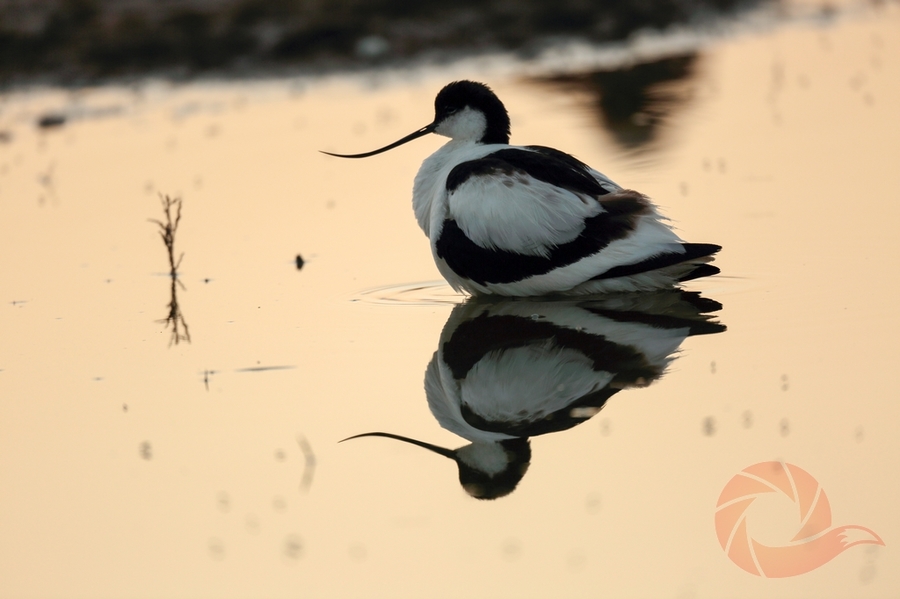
[[459, 94], [480, 485]]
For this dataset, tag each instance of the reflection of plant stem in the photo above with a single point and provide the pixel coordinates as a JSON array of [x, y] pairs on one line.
[[309, 463], [167, 232]]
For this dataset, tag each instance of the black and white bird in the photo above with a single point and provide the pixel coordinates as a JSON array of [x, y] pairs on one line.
[[532, 220]]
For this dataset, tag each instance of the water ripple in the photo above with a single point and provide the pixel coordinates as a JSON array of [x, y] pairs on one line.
[[422, 293]]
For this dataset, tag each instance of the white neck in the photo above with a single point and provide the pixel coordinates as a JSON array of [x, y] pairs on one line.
[[429, 189], [466, 125], [489, 458]]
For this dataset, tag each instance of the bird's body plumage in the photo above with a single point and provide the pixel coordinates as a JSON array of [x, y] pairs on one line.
[[531, 220]]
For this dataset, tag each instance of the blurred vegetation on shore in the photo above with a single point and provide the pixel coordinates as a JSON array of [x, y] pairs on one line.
[[72, 40]]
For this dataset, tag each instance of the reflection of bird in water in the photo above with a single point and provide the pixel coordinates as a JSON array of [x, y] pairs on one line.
[[507, 370], [531, 220]]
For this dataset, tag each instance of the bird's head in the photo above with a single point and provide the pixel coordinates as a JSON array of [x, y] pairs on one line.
[[470, 111], [463, 111], [487, 470]]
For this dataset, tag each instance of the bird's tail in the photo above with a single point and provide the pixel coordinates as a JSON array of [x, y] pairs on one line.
[[694, 258]]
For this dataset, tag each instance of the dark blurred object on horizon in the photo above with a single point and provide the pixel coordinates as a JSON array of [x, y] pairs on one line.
[[633, 102], [78, 39]]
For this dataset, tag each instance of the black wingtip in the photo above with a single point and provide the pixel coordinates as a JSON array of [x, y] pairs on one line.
[[692, 251], [702, 270], [699, 250]]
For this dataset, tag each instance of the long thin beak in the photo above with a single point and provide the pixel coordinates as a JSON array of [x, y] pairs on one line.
[[415, 135], [447, 453]]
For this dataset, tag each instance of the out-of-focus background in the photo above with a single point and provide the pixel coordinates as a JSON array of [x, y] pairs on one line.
[[89, 38], [197, 306]]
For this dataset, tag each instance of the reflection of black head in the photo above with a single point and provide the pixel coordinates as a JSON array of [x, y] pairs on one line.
[[481, 485], [487, 470]]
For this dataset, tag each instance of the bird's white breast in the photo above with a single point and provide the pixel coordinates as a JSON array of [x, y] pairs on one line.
[[430, 186]]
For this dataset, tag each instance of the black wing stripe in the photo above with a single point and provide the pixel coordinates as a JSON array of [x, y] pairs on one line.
[[475, 168], [544, 164], [484, 265], [555, 422], [474, 339]]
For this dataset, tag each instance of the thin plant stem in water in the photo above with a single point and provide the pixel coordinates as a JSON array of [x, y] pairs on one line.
[[167, 231]]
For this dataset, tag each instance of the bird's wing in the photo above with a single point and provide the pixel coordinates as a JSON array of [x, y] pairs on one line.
[[574, 164], [526, 201]]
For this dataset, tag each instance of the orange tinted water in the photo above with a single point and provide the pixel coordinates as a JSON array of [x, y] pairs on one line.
[[134, 466]]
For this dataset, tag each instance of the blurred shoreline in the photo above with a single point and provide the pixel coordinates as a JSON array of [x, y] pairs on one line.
[[76, 42]]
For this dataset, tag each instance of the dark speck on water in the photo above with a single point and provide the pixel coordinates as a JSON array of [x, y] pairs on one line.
[[146, 450], [49, 121], [299, 261], [216, 548], [293, 547], [785, 427], [223, 502]]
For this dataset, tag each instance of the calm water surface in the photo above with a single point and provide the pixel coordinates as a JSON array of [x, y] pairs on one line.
[[138, 460]]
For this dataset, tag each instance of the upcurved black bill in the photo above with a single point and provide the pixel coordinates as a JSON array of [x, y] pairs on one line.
[[447, 453], [415, 135]]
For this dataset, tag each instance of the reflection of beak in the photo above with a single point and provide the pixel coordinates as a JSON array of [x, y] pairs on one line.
[[415, 135], [447, 453]]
